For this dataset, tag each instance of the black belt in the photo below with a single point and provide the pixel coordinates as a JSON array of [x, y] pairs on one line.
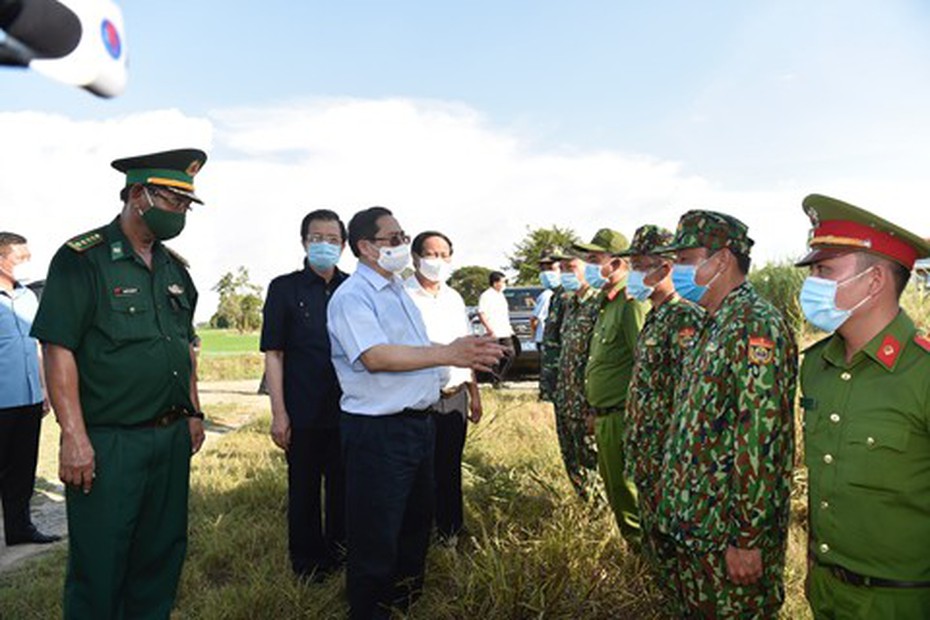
[[863, 581], [167, 418], [416, 414]]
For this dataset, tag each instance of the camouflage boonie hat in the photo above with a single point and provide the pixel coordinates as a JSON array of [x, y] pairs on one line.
[[605, 240], [711, 230], [646, 240]]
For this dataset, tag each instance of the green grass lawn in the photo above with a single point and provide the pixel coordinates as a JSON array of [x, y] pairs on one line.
[[534, 552], [227, 342]]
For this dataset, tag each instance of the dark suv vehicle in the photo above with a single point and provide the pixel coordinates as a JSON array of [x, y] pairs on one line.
[[522, 301]]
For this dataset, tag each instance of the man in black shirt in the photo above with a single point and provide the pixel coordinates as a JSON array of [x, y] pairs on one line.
[[305, 395]]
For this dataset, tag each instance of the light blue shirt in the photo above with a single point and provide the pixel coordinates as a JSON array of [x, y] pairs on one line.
[[366, 311], [19, 355], [541, 312]]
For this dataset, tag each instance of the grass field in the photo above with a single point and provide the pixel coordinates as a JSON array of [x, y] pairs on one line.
[[226, 341], [227, 355], [534, 550]]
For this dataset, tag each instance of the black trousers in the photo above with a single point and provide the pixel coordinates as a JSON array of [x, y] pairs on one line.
[[19, 453], [389, 509], [314, 464], [450, 442]]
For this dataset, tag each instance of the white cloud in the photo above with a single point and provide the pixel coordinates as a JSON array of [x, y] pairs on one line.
[[436, 165]]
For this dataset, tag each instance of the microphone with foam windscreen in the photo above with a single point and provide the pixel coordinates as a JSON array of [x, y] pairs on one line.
[[45, 28]]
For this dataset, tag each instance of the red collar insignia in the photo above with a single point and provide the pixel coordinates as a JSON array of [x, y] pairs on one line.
[[923, 342], [888, 351]]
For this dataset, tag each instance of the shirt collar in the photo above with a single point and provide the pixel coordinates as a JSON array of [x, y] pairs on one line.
[[884, 349], [338, 276], [120, 247], [19, 289], [377, 281]]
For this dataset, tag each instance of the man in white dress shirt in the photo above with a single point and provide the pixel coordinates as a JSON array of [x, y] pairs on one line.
[[445, 317], [494, 314]]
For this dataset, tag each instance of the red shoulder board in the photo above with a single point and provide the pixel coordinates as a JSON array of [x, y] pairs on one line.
[[923, 342]]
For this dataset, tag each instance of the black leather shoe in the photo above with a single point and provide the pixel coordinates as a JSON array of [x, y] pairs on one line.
[[32, 537]]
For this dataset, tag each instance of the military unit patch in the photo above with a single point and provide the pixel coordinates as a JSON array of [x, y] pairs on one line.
[[85, 241], [761, 350]]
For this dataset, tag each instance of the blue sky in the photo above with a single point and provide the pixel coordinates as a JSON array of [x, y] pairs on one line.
[[585, 114]]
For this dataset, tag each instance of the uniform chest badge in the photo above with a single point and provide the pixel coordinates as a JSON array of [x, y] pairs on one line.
[[761, 350], [175, 289], [125, 291]]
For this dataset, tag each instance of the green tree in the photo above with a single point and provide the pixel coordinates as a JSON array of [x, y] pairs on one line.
[[470, 282], [240, 304], [537, 242], [780, 283]]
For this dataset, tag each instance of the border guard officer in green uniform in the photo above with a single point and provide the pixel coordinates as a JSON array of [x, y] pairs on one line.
[[666, 338], [116, 322], [608, 373], [726, 480], [866, 402]]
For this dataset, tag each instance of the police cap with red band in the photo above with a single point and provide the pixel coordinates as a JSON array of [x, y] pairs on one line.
[[839, 227]]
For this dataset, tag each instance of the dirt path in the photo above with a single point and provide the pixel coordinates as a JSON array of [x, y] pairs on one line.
[[48, 504]]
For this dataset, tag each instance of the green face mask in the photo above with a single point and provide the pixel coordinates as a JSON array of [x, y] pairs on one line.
[[164, 224]]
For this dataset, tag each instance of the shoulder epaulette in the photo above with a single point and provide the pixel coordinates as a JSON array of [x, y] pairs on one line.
[[177, 257], [85, 241], [923, 342]]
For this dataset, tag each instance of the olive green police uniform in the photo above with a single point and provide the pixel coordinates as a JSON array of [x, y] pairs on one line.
[[130, 330], [607, 379], [867, 444]]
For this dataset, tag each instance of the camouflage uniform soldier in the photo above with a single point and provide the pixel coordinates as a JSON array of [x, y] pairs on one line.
[[550, 347], [579, 310], [666, 337], [727, 474]]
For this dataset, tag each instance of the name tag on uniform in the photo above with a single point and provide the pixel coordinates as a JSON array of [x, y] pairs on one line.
[[125, 291]]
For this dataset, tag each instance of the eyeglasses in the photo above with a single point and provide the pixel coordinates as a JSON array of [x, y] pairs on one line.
[[175, 202], [318, 238], [394, 240]]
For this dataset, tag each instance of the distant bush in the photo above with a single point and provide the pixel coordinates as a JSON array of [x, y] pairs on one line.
[[780, 283]]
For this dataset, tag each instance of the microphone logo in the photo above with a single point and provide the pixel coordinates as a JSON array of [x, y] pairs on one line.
[[111, 40]]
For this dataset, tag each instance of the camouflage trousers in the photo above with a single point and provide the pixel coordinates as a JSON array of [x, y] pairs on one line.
[[705, 591], [579, 453], [660, 552], [548, 371]]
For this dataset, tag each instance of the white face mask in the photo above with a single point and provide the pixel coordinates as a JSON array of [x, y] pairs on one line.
[[394, 259], [23, 272], [435, 269]]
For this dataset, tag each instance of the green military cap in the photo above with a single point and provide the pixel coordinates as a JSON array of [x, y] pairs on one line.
[[605, 240], [646, 240], [711, 230], [839, 227], [549, 255], [173, 170]]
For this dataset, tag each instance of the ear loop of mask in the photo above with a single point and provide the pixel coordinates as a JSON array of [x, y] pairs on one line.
[[847, 281]]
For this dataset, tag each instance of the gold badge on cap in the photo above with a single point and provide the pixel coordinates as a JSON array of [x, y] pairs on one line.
[[194, 167]]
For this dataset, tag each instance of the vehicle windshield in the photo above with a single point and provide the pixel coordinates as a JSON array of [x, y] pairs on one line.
[[522, 298]]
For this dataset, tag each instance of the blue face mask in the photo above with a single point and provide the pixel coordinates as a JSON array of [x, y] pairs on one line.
[[683, 280], [549, 279], [636, 286], [685, 284], [323, 255], [592, 275], [818, 302], [570, 281]]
